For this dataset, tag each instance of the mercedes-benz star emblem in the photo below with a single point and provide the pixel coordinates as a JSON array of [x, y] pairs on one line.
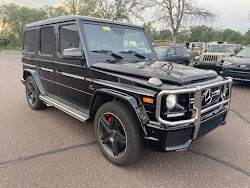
[[208, 96]]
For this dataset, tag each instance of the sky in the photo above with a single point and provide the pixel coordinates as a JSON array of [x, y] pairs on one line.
[[232, 14]]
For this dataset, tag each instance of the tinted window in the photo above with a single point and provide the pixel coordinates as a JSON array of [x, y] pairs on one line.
[[184, 51], [178, 51], [30, 41], [116, 39], [161, 50], [244, 53], [69, 37], [47, 38], [171, 51]]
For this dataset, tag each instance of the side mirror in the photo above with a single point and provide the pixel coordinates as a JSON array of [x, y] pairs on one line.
[[72, 53]]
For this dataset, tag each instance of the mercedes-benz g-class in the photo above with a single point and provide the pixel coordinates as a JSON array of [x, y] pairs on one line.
[[96, 69]]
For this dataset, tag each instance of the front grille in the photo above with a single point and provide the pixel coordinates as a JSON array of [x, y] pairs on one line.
[[210, 58], [209, 125], [216, 96]]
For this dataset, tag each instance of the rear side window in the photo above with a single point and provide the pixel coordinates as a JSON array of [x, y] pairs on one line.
[[30, 41], [171, 51], [184, 51], [178, 51], [69, 38], [47, 40]]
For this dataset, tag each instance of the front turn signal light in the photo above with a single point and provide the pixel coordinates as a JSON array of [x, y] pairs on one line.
[[148, 100]]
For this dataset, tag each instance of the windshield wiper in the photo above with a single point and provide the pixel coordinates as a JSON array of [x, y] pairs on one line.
[[133, 53], [108, 52]]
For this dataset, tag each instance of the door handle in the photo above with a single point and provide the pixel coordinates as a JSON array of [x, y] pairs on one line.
[[58, 72]]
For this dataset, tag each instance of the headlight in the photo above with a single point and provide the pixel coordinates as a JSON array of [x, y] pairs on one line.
[[227, 63], [171, 101]]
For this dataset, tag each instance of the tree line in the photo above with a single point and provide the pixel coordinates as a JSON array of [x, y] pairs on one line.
[[199, 33], [174, 15]]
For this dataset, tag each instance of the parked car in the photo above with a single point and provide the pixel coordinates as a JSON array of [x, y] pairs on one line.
[[216, 55], [238, 66], [176, 54], [195, 48], [93, 69]]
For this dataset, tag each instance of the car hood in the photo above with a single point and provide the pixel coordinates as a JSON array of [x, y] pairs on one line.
[[167, 72], [239, 60]]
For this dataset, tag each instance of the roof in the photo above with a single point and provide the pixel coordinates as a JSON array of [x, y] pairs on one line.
[[75, 17]]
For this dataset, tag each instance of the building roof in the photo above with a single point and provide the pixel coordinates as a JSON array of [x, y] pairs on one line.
[[75, 17]]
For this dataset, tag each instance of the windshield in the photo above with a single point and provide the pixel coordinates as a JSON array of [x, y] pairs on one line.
[[221, 48], [196, 45], [161, 50], [116, 39], [244, 53]]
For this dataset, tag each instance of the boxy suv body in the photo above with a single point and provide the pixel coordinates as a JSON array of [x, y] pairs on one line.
[[95, 69], [216, 55]]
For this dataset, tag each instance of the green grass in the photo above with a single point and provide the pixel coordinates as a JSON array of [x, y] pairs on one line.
[[11, 52], [191, 64]]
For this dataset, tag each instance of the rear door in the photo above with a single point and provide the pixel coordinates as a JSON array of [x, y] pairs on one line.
[[70, 72], [46, 58]]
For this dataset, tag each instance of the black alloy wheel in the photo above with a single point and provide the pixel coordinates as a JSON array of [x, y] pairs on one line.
[[32, 94], [112, 134], [117, 133]]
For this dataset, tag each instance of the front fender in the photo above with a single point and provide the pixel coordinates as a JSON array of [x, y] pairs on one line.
[[130, 100], [34, 74]]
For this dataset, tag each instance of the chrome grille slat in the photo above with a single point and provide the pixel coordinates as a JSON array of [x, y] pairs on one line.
[[210, 58]]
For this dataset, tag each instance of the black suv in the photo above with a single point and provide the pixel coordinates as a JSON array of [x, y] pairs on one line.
[[95, 69], [176, 54]]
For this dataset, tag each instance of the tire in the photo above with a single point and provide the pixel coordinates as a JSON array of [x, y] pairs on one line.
[[32, 94], [117, 133], [187, 63]]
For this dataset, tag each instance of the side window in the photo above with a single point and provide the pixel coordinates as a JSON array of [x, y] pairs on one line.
[[178, 51], [184, 51], [69, 38], [47, 40], [171, 51], [30, 41]]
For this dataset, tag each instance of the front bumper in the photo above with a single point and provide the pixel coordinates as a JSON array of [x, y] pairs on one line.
[[217, 66], [237, 74], [177, 135]]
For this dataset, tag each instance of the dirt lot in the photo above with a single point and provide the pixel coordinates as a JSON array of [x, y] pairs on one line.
[[48, 148]]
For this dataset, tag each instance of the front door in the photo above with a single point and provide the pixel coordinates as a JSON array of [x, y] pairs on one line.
[[171, 55], [70, 72]]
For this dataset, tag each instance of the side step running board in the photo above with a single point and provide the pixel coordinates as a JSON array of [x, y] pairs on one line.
[[65, 108]]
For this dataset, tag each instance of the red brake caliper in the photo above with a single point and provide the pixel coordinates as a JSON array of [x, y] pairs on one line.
[[110, 119]]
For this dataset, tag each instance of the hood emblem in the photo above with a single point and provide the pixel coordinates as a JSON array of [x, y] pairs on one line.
[[208, 96]]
